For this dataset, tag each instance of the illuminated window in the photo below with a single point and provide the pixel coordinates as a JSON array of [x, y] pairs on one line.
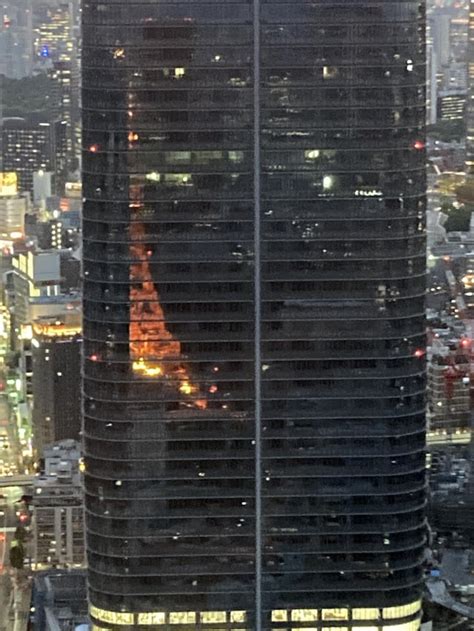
[[366, 628], [114, 617], [335, 629], [177, 179], [179, 72], [328, 182], [365, 613], [304, 615], [213, 616], [401, 611], [182, 617], [157, 617], [335, 614], [329, 72], [279, 615], [238, 616]]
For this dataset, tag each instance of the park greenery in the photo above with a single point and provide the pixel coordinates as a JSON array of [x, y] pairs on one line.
[[459, 217], [24, 97]]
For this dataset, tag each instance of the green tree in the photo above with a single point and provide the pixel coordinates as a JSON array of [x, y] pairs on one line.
[[447, 131], [17, 555], [21, 534], [458, 219], [30, 95]]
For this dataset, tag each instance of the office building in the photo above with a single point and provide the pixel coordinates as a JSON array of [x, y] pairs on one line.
[[54, 32], [451, 106], [49, 234], [56, 350], [13, 208], [16, 39], [35, 275], [448, 388], [12, 217], [441, 31], [65, 81], [29, 146], [59, 600], [42, 187], [254, 349], [431, 87], [57, 508], [470, 97], [459, 34]]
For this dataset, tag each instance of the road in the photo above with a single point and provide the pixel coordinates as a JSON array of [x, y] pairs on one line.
[[9, 448], [14, 587], [15, 593], [455, 568]]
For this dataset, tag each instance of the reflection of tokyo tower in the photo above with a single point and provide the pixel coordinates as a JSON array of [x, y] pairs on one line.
[[150, 340]]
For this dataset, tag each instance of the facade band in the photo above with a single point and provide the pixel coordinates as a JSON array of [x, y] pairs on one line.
[[402, 618]]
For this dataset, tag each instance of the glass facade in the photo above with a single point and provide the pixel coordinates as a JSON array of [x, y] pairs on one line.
[[254, 180], [470, 96]]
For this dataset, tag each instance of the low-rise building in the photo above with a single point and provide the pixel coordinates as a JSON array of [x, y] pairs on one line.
[[448, 387], [57, 510], [60, 601]]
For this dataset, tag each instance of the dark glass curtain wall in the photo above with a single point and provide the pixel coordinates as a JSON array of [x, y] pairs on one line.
[[219, 137]]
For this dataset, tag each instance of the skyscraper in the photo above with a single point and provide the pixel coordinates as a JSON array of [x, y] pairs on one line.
[[32, 145], [470, 95], [16, 39], [254, 259], [54, 32], [65, 82], [56, 369]]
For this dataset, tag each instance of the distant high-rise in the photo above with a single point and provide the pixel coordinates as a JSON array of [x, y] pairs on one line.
[[56, 372], [32, 145], [470, 96], [254, 261], [54, 32], [65, 82], [16, 38]]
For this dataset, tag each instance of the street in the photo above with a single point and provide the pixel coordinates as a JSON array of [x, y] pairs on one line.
[[9, 448], [14, 586], [454, 567]]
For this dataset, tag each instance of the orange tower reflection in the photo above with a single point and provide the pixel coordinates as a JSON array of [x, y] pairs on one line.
[[150, 341]]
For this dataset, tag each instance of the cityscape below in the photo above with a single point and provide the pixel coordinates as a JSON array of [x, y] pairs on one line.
[[236, 315]]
